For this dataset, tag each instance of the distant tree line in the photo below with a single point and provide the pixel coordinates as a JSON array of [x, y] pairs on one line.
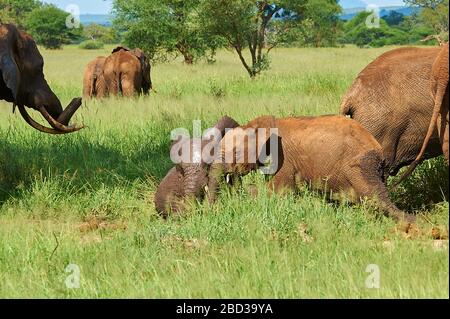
[[47, 24], [429, 24], [196, 29]]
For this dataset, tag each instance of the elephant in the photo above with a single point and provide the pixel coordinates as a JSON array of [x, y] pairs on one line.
[[331, 153], [22, 82], [93, 81], [439, 118], [391, 98], [188, 178], [127, 72]]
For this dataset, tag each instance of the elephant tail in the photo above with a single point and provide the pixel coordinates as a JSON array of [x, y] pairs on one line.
[[346, 107], [436, 110], [92, 86], [119, 83]]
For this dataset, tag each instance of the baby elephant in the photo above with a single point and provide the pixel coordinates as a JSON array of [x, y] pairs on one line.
[[330, 153], [189, 178]]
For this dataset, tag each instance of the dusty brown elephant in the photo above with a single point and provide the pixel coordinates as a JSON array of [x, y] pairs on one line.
[[439, 119], [392, 99], [189, 178], [127, 72], [22, 82], [331, 153], [93, 81]]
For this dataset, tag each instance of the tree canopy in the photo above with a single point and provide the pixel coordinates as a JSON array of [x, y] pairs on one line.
[[15, 11], [259, 26], [47, 25], [165, 28]]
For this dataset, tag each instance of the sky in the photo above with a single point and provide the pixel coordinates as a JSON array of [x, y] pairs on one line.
[[104, 6], [86, 6]]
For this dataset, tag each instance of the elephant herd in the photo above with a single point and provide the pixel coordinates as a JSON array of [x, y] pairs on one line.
[[125, 72], [394, 114]]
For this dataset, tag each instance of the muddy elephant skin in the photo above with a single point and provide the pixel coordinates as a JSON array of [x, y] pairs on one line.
[[333, 153]]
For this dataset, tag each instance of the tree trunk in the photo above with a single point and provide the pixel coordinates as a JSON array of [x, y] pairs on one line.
[[244, 63], [188, 59]]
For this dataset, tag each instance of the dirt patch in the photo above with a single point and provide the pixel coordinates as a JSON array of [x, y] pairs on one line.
[[94, 223], [193, 243]]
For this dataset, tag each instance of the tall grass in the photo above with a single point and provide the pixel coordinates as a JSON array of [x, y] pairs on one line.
[[87, 198]]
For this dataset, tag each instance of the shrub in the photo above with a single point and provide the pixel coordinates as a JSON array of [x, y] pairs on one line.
[[91, 45]]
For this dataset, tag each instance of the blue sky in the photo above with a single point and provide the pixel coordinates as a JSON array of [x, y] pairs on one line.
[[86, 6], [103, 7]]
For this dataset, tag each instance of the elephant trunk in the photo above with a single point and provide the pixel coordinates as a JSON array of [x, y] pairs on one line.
[[57, 125], [47, 103], [194, 181], [216, 174], [66, 115]]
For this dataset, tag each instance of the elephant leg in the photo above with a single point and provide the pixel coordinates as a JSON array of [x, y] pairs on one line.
[[113, 85], [443, 127], [283, 181], [367, 182], [128, 89], [390, 150]]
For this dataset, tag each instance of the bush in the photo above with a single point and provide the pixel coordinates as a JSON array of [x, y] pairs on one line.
[[101, 33], [91, 45]]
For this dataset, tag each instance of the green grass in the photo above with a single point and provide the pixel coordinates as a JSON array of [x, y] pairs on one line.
[[54, 188]]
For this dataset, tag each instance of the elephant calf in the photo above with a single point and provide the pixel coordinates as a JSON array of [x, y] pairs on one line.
[[330, 153], [189, 177]]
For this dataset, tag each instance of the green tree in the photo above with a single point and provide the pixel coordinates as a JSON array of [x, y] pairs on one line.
[[100, 33], [394, 18], [47, 25], [259, 26], [15, 11], [434, 14], [165, 28], [321, 22], [356, 31]]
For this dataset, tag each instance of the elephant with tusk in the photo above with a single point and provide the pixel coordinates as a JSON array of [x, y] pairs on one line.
[[189, 178], [331, 153], [22, 82]]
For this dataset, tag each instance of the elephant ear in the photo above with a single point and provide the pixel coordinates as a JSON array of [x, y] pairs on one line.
[[145, 68], [212, 137], [10, 72], [224, 123], [268, 144], [117, 49]]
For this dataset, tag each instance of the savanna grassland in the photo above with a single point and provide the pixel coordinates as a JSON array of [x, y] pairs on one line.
[[87, 198]]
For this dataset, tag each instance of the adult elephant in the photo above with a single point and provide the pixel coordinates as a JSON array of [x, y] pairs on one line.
[[22, 82], [439, 90], [93, 81], [392, 99], [188, 178], [127, 72]]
